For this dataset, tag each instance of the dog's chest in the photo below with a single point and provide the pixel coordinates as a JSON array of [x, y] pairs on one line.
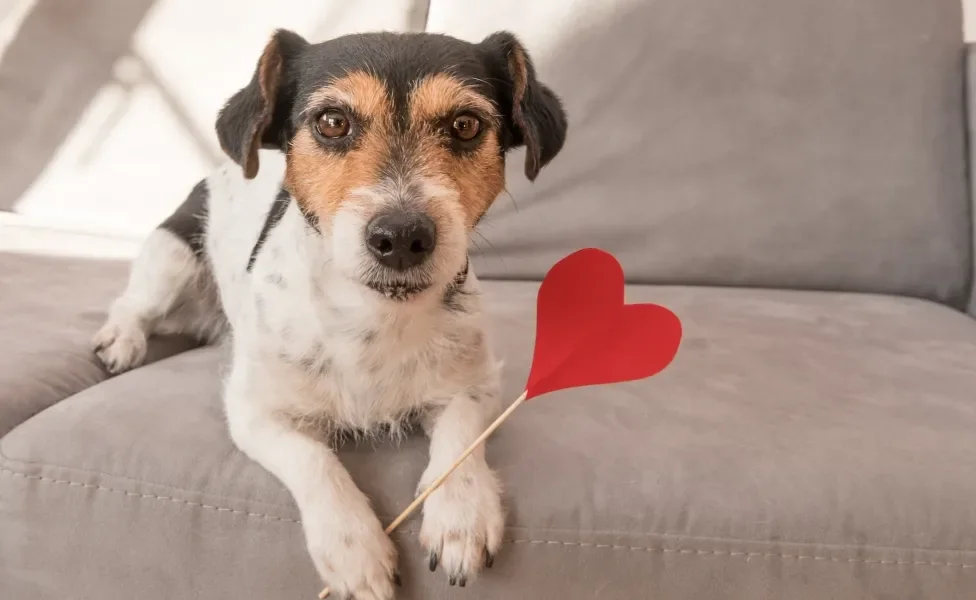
[[349, 364]]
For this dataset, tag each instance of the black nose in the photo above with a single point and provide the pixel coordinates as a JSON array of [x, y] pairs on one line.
[[401, 240]]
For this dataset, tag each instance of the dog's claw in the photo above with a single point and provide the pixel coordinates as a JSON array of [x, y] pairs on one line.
[[432, 563], [452, 580], [462, 581], [396, 579], [489, 559]]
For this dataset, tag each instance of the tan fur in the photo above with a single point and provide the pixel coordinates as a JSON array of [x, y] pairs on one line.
[[360, 90], [520, 75], [478, 177], [516, 66], [269, 74], [441, 95], [321, 180]]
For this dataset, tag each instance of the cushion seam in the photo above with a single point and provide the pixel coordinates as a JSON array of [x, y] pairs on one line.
[[92, 486], [35, 411], [550, 543], [4, 458], [103, 378], [747, 555]]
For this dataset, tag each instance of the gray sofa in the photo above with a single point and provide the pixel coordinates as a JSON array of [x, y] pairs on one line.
[[789, 176]]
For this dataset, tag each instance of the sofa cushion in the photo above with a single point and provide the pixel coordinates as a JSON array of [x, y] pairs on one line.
[[801, 144], [49, 309], [802, 445]]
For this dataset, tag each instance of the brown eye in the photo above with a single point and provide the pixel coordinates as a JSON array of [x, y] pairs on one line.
[[465, 127], [333, 124]]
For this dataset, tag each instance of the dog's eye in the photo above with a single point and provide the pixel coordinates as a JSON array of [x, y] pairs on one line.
[[465, 127], [333, 124]]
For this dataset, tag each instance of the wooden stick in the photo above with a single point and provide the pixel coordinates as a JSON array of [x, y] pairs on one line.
[[440, 480]]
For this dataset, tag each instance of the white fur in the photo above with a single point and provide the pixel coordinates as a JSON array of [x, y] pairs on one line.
[[169, 291], [314, 351]]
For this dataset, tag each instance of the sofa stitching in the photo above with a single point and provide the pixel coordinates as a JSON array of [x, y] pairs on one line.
[[16, 475], [747, 555], [721, 540], [681, 536], [387, 518], [729, 553], [79, 470]]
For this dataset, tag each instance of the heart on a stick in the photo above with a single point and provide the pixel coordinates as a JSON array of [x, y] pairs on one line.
[[587, 335]]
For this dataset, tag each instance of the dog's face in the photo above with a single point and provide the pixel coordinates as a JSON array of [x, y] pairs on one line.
[[395, 143]]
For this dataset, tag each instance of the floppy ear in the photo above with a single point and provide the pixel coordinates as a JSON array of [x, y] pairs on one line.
[[534, 115], [257, 115]]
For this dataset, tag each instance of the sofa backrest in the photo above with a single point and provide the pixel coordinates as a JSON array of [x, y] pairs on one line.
[[802, 144]]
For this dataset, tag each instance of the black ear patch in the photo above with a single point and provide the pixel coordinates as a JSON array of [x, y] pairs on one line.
[[534, 114], [256, 116]]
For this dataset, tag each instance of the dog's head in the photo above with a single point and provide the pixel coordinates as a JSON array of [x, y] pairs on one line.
[[395, 143]]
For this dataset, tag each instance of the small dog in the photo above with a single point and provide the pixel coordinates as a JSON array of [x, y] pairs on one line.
[[331, 254]]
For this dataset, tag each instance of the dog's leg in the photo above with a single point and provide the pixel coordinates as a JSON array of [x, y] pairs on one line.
[[161, 275], [345, 539], [170, 290], [463, 520]]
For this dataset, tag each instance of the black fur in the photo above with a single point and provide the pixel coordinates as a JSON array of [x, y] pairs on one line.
[[311, 219], [543, 124], [253, 117], [399, 59], [188, 222], [452, 295], [276, 280], [277, 210]]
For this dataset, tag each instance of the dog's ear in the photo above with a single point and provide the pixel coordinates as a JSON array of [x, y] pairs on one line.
[[257, 115], [534, 115]]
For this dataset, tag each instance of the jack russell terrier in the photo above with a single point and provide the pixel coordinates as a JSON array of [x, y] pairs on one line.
[[332, 256]]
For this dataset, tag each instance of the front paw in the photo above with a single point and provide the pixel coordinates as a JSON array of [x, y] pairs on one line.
[[120, 346], [353, 556], [463, 523]]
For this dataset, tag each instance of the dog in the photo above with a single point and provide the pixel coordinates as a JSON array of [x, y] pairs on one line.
[[330, 253]]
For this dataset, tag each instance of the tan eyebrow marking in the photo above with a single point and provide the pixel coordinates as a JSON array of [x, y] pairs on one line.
[[440, 94], [359, 90], [321, 180]]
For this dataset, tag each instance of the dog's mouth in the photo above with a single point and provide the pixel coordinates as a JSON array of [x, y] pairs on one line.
[[398, 291], [399, 286], [409, 285]]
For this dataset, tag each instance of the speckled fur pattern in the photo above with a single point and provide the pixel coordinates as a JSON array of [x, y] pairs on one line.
[[316, 357], [324, 343]]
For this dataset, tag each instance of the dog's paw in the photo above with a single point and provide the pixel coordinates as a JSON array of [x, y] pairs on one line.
[[354, 556], [120, 346], [463, 523]]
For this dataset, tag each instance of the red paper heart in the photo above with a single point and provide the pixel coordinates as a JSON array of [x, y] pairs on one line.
[[586, 335]]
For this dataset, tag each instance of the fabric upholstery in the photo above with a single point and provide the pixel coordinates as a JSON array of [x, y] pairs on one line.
[[801, 144], [803, 445], [49, 310]]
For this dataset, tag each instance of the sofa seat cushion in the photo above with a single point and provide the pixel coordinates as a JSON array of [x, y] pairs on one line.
[[802, 445], [49, 309]]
